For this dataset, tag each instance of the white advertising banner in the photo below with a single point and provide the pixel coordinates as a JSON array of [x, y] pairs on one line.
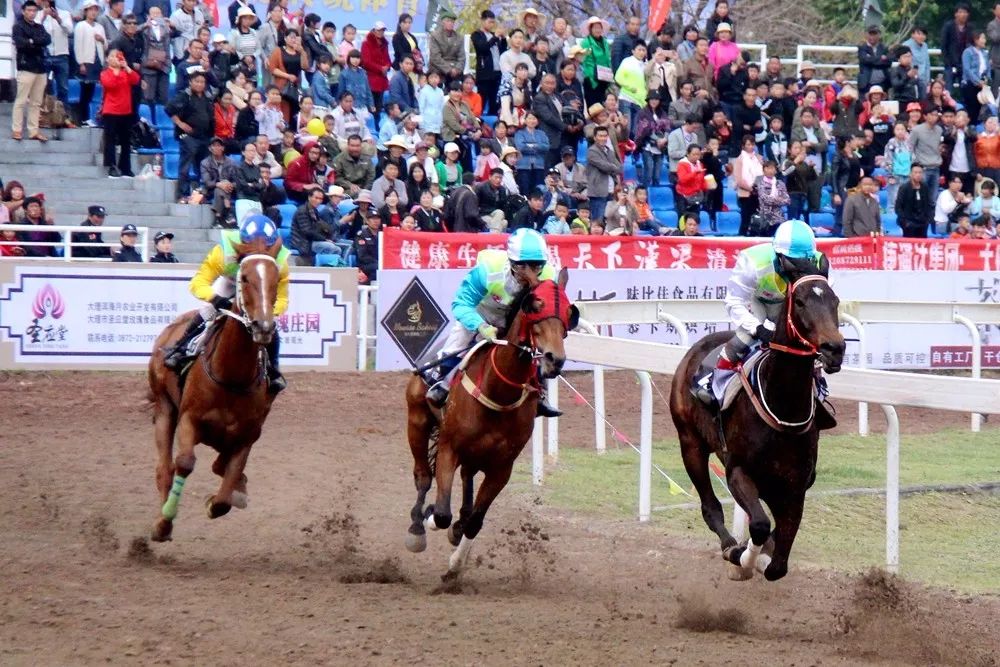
[[75, 315], [888, 346]]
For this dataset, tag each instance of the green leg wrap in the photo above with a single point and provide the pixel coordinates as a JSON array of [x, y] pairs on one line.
[[170, 507]]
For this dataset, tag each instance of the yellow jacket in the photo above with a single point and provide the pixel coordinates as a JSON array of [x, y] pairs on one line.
[[214, 267]]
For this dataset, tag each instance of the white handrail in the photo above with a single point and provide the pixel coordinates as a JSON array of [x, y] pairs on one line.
[[67, 244]]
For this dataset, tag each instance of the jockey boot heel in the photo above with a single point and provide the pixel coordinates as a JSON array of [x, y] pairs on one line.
[[276, 381], [544, 409], [175, 355]]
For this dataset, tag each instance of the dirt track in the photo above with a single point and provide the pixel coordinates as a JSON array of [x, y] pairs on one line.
[[314, 571]]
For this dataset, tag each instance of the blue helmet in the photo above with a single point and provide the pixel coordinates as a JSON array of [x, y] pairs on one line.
[[527, 245], [258, 226], [794, 239]]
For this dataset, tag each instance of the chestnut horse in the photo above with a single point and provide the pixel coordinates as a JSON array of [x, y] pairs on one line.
[[769, 455], [488, 418], [223, 401]]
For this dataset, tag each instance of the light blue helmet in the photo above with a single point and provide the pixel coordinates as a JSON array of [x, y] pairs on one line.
[[527, 245], [258, 226], [794, 239]]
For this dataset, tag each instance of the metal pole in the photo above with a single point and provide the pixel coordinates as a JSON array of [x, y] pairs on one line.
[[363, 296], [553, 439], [676, 322], [600, 430], [891, 489], [645, 446], [537, 454], [855, 324], [977, 358]]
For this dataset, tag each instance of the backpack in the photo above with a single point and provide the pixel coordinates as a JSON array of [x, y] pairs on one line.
[[145, 135]]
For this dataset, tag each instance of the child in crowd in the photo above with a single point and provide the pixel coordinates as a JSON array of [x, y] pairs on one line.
[[578, 227], [962, 228], [487, 160], [647, 221], [322, 86], [557, 222], [582, 215], [898, 159], [987, 203], [271, 119], [427, 217], [431, 102]]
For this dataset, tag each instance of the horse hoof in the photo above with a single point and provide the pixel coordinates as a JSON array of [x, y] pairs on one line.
[[214, 509], [737, 573], [162, 530], [416, 543], [240, 500]]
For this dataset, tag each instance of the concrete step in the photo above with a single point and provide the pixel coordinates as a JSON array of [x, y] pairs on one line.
[[119, 206], [34, 158], [71, 143], [46, 175], [155, 222]]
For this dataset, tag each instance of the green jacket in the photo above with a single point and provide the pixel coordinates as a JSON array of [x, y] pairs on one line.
[[599, 53]]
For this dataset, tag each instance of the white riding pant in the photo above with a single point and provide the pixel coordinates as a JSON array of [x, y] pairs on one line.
[[224, 287]]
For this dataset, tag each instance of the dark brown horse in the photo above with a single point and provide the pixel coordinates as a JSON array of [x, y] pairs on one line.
[[224, 399], [769, 458], [485, 423]]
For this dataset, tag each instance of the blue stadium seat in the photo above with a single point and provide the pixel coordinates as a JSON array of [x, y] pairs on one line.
[[821, 220], [74, 91], [279, 182], [489, 120], [728, 222], [890, 225], [287, 213], [169, 142], [286, 237], [327, 260], [171, 165], [661, 197]]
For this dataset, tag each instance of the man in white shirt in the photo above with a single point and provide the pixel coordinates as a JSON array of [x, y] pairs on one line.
[[59, 24], [185, 21], [950, 203], [348, 121]]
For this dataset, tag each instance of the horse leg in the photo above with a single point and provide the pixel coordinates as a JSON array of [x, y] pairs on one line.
[[164, 425], [468, 479], [220, 504], [787, 517], [419, 431], [695, 454], [183, 466], [239, 498], [493, 483], [447, 462], [745, 493]]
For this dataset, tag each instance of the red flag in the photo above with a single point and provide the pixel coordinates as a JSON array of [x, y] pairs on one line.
[[717, 470], [619, 436], [578, 399], [658, 12]]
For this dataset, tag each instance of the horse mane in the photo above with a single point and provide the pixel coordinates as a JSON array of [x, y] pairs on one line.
[[515, 307]]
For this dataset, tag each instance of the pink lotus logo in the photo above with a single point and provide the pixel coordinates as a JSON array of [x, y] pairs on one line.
[[48, 301]]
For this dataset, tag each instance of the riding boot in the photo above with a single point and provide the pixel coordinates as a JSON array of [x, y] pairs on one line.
[[277, 380], [544, 409], [175, 355], [438, 381]]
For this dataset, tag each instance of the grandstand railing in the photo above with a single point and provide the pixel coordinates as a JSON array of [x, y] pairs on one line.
[[839, 56], [66, 244]]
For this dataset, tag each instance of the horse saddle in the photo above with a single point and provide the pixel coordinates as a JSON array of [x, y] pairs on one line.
[[723, 388]]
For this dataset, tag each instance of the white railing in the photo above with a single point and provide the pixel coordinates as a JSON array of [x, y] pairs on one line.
[[66, 243], [365, 307], [884, 387], [840, 56], [853, 313]]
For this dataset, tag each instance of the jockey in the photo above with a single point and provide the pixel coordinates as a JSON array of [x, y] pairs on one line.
[[215, 283], [755, 293], [482, 300]]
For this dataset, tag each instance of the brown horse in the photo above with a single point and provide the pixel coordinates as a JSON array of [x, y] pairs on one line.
[[768, 441], [485, 426], [223, 401]]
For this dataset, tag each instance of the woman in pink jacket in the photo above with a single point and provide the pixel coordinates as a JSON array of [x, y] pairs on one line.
[[723, 50]]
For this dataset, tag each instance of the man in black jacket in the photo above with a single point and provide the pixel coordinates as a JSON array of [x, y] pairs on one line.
[[132, 44], [461, 211], [531, 216], [623, 44], [492, 196], [194, 124], [366, 248], [312, 42], [95, 218], [127, 252], [489, 44], [956, 36], [30, 40], [548, 109], [312, 236], [873, 58], [905, 79], [914, 207]]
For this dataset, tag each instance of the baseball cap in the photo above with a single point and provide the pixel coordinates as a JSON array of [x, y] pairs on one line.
[[97, 210], [379, 25], [335, 191], [218, 38], [567, 150], [162, 235], [129, 229]]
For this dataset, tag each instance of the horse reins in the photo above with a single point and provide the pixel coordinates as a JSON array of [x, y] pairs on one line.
[[807, 349]]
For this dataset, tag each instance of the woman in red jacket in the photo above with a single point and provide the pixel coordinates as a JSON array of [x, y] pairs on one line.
[[300, 177], [116, 110], [691, 184], [375, 59], [225, 122]]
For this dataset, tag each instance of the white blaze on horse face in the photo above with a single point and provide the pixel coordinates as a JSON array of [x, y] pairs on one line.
[[818, 291], [265, 302]]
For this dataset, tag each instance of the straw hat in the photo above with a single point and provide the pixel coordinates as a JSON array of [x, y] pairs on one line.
[[509, 150], [335, 191], [245, 11], [397, 141], [591, 21], [530, 12], [724, 27], [806, 65], [577, 50], [594, 110], [875, 89]]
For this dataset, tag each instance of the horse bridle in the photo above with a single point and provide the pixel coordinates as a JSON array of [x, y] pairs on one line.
[[807, 349], [240, 314]]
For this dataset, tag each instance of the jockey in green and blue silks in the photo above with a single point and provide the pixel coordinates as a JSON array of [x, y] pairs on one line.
[[756, 292], [480, 305]]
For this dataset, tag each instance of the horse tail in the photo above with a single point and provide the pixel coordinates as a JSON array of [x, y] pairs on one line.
[[432, 449]]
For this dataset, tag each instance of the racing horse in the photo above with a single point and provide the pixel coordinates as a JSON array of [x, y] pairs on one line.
[[485, 426], [768, 438], [222, 401]]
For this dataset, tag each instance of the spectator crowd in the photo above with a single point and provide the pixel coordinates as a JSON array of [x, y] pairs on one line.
[[361, 133]]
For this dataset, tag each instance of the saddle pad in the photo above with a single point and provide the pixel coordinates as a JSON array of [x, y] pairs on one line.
[[726, 385]]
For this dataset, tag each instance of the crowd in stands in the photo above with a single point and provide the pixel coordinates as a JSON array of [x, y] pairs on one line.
[[360, 133]]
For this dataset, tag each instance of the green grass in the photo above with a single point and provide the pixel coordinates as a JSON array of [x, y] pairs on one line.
[[946, 539]]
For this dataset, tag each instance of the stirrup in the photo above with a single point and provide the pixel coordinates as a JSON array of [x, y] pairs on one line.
[[174, 359], [277, 382], [437, 394], [545, 410]]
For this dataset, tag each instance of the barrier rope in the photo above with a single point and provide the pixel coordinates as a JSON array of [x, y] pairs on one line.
[[674, 488]]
